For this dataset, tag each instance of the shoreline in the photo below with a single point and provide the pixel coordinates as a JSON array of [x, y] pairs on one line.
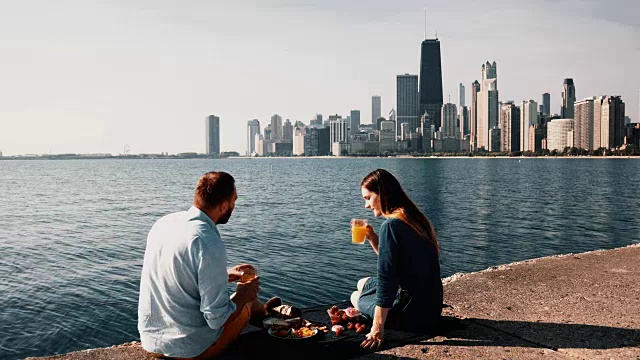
[[47, 158], [561, 306]]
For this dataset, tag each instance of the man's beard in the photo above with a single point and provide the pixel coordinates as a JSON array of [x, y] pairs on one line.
[[225, 217]]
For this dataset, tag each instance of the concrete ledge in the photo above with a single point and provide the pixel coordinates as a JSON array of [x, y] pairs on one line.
[[584, 306]]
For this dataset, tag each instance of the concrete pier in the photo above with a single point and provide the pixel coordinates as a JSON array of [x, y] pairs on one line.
[[574, 306]]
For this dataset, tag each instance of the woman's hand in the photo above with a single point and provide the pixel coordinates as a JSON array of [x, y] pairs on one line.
[[373, 238], [374, 337], [371, 234], [235, 273]]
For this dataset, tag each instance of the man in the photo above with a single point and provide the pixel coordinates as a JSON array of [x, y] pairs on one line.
[[185, 310]]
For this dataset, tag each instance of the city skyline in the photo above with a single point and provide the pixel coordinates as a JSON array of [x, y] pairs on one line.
[[88, 80]]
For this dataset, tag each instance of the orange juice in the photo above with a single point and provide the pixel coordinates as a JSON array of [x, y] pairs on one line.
[[248, 275], [358, 234], [358, 231]]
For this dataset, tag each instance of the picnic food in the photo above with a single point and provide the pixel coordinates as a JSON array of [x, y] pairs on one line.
[[352, 312], [287, 311], [343, 317], [296, 328], [346, 319], [338, 329], [361, 328]]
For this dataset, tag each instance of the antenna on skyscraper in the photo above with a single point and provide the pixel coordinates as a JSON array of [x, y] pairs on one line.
[[425, 24], [436, 34]]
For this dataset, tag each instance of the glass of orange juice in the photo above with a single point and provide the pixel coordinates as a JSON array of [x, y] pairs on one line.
[[248, 275], [358, 231]]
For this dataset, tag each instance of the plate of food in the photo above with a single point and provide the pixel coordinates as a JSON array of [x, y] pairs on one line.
[[289, 333]]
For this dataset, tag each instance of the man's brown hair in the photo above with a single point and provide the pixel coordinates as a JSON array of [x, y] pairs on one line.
[[213, 189]]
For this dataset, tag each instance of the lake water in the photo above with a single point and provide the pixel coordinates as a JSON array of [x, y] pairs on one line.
[[72, 233]]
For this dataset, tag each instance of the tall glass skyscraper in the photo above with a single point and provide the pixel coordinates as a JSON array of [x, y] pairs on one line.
[[431, 80], [568, 98], [546, 104], [407, 102], [253, 129], [354, 127], [376, 108], [212, 129]]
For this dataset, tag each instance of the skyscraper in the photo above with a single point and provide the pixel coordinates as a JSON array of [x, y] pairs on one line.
[[407, 102], [387, 137], [559, 134], [212, 129], [461, 95], [487, 104], [317, 141], [475, 89], [583, 124], [404, 131], [298, 141], [317, 120], [510, 125], [568, 99], [339, 130], [253, 128], [611, 122], [528, 117], [449, 118], [287, 131], [463, 115], [494, 139], [431, 80], [355, 122], [276, 127], [546, 104], [376, 108]]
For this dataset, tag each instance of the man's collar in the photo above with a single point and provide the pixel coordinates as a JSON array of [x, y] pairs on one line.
[[196, 213]]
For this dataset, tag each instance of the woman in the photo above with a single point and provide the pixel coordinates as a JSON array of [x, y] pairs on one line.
[[407, 293]]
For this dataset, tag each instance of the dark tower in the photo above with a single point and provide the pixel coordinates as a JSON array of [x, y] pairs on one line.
[[431, 80]]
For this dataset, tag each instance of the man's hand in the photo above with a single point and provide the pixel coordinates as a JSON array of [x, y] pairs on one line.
[[246, 292], [235, 273]]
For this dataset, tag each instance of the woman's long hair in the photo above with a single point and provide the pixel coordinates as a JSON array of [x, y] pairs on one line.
[[395, 203]]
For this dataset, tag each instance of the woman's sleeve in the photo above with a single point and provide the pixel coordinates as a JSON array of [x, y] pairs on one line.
[[387, 266]]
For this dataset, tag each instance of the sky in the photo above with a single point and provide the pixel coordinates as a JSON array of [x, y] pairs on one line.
[[93, 76]]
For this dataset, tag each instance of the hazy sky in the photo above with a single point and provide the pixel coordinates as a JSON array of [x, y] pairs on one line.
[[91, 76]]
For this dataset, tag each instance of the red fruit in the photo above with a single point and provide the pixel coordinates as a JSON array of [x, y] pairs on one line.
[[340, 313], [334, 309], [339, 331], [361, 329], [351, 326], [345, 317]]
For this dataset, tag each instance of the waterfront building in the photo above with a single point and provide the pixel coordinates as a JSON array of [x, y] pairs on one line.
[[559, 134], [487, 107], [212, 130], [430, 91], [568, 99], [510, 126], [253, 128], [376, 108]]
